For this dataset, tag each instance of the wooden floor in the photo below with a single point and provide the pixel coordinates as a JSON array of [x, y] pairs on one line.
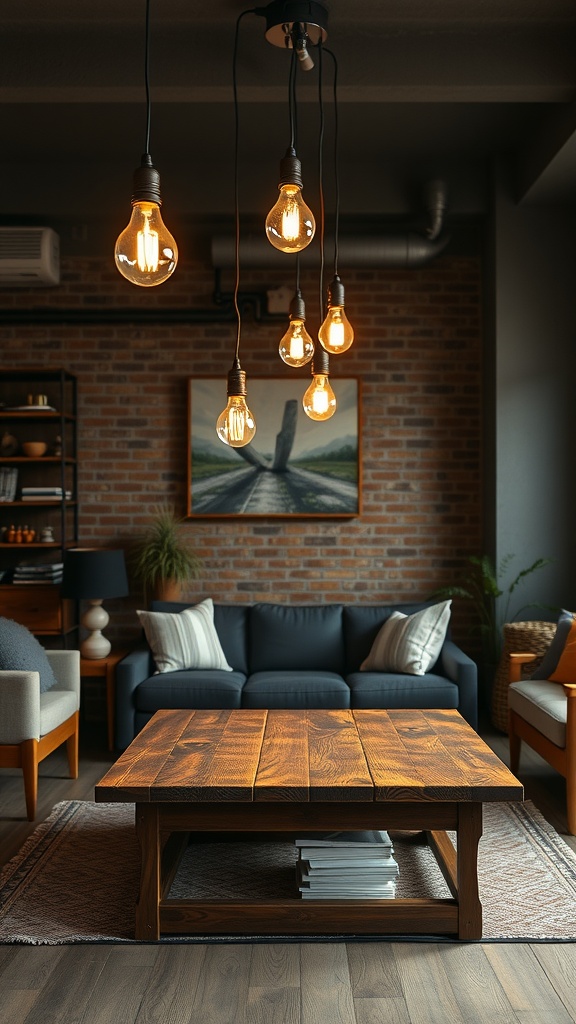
[[310, 983]]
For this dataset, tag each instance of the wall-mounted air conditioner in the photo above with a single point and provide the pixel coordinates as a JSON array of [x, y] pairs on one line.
[[29, 257]]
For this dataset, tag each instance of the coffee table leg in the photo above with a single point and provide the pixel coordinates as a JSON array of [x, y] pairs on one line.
[[469, 906], [148, 905]]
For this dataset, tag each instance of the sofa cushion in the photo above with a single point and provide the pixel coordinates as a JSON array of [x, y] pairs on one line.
[[295, 689], [299, 637], [186, 639], [230, 623], [195, 689], [409, 643], [21, 652], [397, 690]]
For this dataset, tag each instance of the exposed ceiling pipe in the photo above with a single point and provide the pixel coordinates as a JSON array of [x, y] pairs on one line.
[[406, 249]]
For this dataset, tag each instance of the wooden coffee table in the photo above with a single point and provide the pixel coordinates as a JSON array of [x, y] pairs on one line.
[[284, 771]]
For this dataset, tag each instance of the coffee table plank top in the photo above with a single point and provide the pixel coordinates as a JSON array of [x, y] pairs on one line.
[[308, 755], [432, 755], [216, 758]]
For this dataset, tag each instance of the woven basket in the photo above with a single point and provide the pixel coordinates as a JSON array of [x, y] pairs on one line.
[[519, 637]]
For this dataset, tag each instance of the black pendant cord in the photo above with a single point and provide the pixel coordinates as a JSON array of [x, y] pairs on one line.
[[236, 188], [292, 100], [147, 79], [336, 172], [321, 179]]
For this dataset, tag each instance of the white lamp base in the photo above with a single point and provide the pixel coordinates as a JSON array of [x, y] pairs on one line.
[[95, 619]]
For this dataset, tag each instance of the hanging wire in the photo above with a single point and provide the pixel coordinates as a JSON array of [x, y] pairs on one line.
[[336, 174], [321, 178], [236, 189], [292, 99], [147, 78]]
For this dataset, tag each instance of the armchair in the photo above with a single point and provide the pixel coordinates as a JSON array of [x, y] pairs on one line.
[[33, 724], [543, 714]]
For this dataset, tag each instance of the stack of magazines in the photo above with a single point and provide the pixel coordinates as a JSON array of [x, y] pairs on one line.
[[51, 573], [347, 865]]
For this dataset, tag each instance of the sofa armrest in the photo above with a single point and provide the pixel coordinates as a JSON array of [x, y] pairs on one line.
[[458, 667], [130, 672]]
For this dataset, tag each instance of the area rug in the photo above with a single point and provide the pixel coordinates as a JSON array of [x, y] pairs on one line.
[[76, 877]]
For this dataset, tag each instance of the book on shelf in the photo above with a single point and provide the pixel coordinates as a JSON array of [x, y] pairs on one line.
[[354, 840], [8, 483]]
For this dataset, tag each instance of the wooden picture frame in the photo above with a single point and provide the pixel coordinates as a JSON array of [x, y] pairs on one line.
[[314, 472]]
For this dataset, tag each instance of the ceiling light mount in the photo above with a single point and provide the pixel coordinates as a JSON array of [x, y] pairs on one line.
[[289, 20]]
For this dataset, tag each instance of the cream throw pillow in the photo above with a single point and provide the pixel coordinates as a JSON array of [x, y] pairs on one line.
[[187, 639], [409, 643]]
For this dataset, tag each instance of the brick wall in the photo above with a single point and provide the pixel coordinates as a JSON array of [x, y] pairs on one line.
[[418, 353]]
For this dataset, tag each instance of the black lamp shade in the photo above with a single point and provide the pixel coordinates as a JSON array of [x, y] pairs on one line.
[[94, 574]]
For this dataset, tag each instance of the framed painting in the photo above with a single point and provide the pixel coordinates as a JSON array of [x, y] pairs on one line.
[[294, 466]]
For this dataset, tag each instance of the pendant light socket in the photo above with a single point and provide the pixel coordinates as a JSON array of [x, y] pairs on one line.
[[236, 383], [336, 292], [290, 169], [146, 183], [321, 363], [297, 309]]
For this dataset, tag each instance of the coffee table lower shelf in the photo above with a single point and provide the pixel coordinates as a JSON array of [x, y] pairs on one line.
[[308, 917], [163, 832]]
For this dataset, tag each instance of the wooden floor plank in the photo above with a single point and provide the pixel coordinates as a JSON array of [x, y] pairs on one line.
[[69, 985], [478, 993], [326, 985], [532, 997], [274, 988], [381, 1011], [558, 963], [222, 992], [373, 970], [171, 985], [425, 984]]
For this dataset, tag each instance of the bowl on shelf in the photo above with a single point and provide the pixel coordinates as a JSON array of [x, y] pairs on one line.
[[34, 449]]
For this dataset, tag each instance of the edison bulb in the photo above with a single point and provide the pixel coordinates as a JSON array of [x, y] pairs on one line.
[[319, 400], [296, 347], [236, 426], [146, 253], [336, 333], [290, 225]]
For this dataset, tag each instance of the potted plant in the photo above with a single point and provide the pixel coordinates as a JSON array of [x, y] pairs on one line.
[[482, 585], [162, 559]]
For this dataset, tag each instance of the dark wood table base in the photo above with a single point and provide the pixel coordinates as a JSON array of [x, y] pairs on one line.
[[163, 833]]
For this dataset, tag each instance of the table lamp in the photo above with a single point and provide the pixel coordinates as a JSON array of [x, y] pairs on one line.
[[94, 574]]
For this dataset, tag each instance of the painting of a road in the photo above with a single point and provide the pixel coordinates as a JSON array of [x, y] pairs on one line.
[[293, 467]]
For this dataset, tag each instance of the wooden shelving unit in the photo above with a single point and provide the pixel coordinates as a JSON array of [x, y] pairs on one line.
[[38, 606]]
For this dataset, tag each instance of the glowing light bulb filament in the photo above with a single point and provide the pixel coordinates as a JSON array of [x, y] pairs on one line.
[[148, 248], [320, 398], [336, 332], [291, 221]]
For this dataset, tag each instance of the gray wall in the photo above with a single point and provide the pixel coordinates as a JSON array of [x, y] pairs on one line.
[[534, 328]]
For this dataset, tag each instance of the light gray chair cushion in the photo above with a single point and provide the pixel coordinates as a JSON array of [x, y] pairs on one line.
[[543, 705], [55, 707]]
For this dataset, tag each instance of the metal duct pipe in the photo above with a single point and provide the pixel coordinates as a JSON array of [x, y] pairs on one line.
[[404, 250], [436, 198]]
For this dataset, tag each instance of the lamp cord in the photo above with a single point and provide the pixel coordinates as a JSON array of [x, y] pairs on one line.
[[250, 10], [147, 79], [320, 178], [292, 99], [336, 173]]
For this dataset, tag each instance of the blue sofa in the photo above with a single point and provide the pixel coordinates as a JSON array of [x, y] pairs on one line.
[[292, 656]]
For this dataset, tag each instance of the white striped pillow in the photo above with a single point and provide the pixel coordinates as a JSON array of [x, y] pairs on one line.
[[184, 640], [409, 643]]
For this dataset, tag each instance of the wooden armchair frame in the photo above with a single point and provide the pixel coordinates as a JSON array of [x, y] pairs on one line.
[[562, 759]]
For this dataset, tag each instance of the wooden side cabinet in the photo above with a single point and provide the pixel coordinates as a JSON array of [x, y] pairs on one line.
[[38, 496]]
